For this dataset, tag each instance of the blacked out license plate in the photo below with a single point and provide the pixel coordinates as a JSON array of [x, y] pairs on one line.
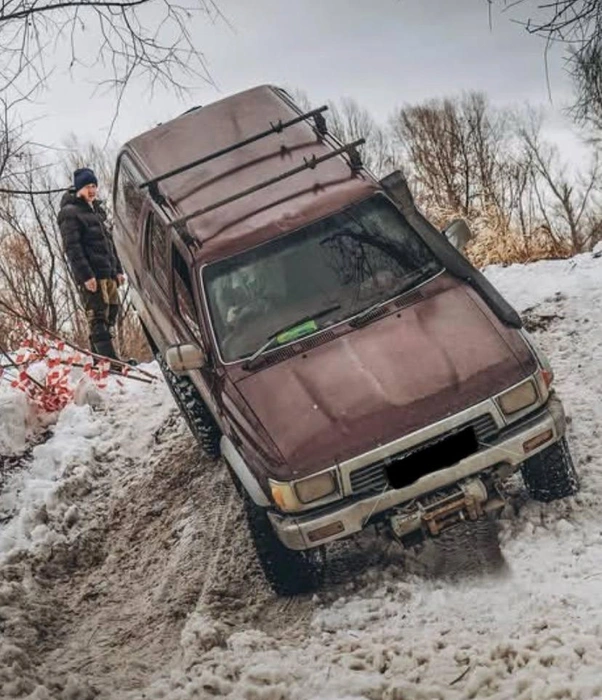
[[444, 453]]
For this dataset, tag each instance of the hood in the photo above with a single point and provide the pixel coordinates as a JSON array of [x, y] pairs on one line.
[[385, 380]]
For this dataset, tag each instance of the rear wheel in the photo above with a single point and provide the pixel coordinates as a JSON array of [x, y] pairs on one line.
[[288, 572], [550, 474], [200, 420]]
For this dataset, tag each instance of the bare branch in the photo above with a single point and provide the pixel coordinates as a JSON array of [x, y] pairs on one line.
[[29, 11], [576, 24], [147, 40]]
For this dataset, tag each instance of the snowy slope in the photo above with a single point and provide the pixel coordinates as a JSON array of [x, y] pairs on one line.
[[127, 571]]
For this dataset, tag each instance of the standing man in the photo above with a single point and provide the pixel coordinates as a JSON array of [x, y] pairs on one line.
[[93, 259]]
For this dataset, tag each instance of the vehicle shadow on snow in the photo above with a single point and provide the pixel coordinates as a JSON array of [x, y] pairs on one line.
[[465, 551]]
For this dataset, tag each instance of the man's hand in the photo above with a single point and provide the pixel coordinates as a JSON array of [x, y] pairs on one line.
[[91, 285], [121, 279]]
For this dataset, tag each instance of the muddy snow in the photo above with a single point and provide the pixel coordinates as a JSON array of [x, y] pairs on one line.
[[126, 572]]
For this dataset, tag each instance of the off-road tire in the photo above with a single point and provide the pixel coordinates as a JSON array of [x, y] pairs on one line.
[[550, 474], [287, 571], [197, 415]]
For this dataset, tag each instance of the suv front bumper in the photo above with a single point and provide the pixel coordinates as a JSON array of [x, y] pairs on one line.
[[346, 517]]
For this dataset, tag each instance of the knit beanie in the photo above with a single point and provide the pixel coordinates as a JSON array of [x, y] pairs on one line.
[[83, 177]]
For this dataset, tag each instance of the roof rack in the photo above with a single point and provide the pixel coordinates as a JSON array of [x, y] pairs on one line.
[[275, 128], [355, 163]]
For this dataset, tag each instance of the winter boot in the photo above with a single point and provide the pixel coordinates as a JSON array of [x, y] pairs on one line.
[[106, 349]]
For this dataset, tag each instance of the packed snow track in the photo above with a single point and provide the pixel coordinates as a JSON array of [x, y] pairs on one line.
[[126, 570]]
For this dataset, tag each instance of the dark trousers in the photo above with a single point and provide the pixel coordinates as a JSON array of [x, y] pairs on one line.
[[102, 309]]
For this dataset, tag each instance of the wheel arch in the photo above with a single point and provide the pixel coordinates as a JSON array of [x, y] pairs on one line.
[[243, 473]]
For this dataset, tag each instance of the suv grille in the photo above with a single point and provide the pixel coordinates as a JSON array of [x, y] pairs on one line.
[[373, 477]]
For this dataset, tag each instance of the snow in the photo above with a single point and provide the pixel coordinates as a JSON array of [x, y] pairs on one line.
[[132, 555], [17, 421], [529, 285], [64, 466]]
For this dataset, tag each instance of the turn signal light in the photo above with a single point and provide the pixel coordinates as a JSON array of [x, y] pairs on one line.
[[322, 533], [538, 440]]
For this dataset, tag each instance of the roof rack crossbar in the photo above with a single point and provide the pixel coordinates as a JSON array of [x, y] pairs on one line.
[[275, 128], [309, 164]]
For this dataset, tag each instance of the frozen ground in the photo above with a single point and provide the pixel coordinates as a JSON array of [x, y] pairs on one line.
[[126, 574]]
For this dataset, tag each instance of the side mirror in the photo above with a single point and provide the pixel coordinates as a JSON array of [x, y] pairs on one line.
[[181, 358], [458, 233]]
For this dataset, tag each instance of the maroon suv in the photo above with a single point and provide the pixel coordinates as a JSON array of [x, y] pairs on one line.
[[347, 362]]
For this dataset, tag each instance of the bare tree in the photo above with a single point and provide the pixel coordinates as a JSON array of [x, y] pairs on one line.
[[34, 276], [348, 121], [495, 169], [13, 146], [90, 154], [132, 38], [576, 24], [451, 150], [120, 41], [587, 74], [566, 203]]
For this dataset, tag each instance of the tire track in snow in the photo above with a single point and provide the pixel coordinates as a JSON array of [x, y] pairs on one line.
[[149, 620]]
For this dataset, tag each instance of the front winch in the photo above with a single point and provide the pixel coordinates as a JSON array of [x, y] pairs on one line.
[[436, 513]]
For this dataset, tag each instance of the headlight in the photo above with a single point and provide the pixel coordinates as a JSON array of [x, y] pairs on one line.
[[293, 496], [520, 397], [315, 487]]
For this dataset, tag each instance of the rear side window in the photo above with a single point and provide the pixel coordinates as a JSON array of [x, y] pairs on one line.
[[156, 251], [183, 293], [129, 198]]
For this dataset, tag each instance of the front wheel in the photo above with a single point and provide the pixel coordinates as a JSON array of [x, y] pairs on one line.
[[288, 572], [550, 474]]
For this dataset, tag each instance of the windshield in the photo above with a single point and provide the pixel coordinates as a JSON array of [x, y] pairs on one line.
[[348, 261]]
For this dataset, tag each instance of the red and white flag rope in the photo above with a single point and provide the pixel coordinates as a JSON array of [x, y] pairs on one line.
[[56, 389]]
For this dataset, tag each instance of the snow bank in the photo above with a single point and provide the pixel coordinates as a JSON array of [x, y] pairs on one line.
[[529, 629], [147, 575], [526, 286], [67, 456], [17, 421], [54, 528], [66, 465]]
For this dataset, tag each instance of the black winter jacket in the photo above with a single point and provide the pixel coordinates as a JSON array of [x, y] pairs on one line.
[[88, 244]]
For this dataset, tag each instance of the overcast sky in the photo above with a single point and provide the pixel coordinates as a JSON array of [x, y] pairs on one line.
[[383, 53]]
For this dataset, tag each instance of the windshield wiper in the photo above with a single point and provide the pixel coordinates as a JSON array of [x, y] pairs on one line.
[[357, 318], [273, 338], [411, 281]]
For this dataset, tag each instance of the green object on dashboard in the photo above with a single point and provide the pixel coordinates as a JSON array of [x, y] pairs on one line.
[[296, 332]]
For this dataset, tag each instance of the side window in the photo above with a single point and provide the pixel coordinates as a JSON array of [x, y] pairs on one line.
[[129, 198], [156, 251], [183, 293]]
